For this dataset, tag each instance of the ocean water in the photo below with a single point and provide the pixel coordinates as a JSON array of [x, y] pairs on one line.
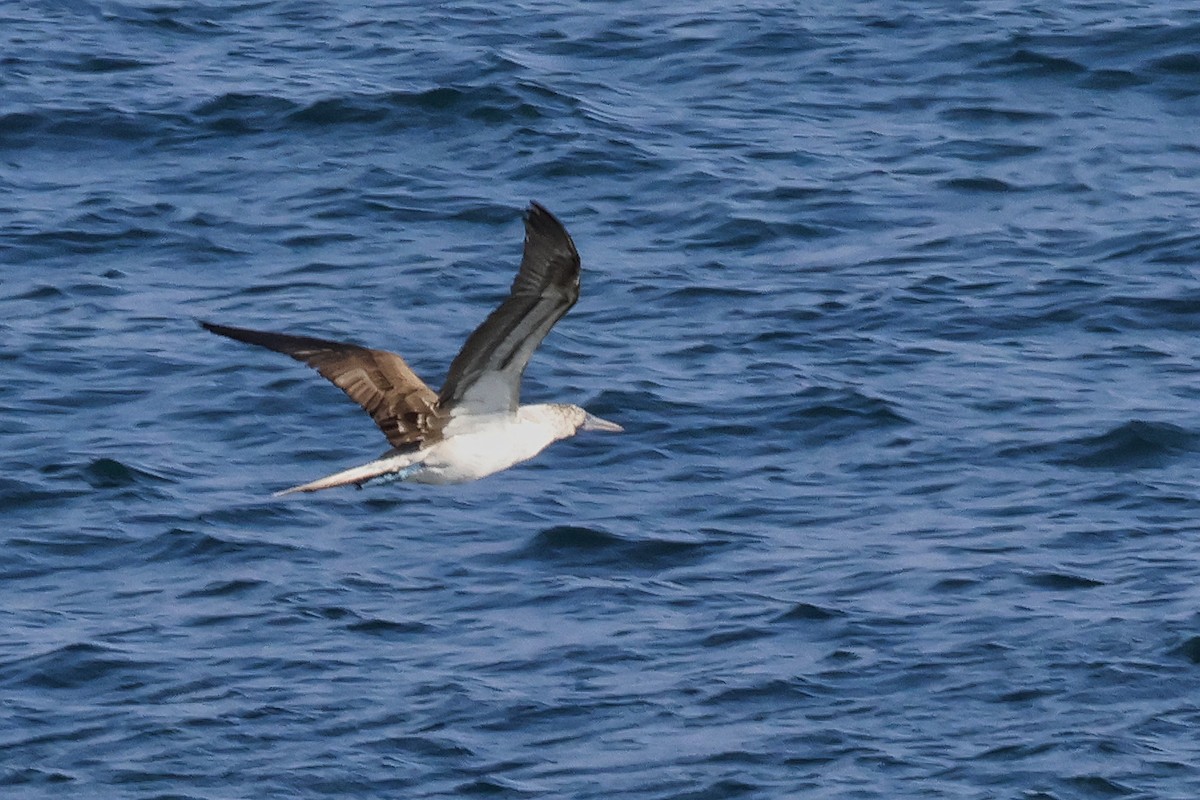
[[898, 303]]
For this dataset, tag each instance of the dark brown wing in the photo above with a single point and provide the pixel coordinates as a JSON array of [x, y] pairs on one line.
[[381, 382], [485, 376]]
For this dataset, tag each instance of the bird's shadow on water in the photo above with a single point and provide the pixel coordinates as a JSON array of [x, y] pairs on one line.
[[577, 546]]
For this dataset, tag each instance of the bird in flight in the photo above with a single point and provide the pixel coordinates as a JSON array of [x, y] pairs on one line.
[[475, 426]]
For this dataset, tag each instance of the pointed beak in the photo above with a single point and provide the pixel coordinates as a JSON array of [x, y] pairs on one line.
[[591, 423]]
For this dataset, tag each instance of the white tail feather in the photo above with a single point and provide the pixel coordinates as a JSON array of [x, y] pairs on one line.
[[358, 475]]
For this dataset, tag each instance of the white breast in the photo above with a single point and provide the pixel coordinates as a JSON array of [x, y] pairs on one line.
[[484, 449]]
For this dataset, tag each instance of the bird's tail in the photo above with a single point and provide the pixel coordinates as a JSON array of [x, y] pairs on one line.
[[388, 468]]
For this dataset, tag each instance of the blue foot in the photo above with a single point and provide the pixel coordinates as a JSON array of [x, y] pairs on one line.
[[399, 475]]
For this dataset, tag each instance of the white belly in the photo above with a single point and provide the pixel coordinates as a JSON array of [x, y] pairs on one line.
[[472, 455]]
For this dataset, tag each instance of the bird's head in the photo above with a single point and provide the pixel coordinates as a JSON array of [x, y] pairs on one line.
[[571, 419]]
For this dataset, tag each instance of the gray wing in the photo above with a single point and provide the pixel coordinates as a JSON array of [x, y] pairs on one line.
[[485, 376], [381, 382]]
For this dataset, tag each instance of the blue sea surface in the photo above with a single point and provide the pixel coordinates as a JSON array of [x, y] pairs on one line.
[[898, 303]]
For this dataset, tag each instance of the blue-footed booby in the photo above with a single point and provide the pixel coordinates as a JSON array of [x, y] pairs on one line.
[[475, 425]]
